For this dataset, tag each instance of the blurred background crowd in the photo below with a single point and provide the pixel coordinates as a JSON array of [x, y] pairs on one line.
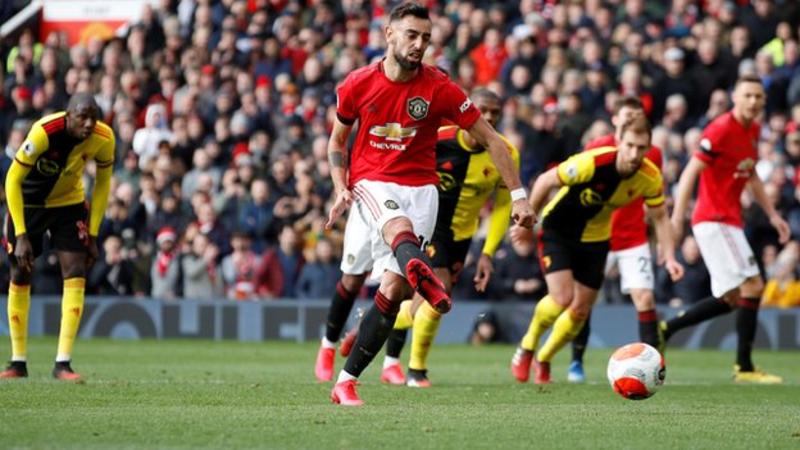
[[222, 110]]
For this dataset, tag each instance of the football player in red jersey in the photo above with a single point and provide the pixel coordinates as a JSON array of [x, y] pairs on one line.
[[629, 249], [400, 103], [725, 166]]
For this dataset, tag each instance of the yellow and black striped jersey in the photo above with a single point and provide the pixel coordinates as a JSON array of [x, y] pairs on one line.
[[467, 178], [593, 189], [56, 161]]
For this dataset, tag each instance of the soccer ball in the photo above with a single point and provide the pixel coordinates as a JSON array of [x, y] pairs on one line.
[[635, 371]]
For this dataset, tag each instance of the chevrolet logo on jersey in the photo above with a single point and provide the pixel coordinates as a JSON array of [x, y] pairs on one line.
[[392, 131], [590, 198]]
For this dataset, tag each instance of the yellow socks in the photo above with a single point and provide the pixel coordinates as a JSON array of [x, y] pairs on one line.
[[426, 324], [19, 304], [71, 311], [564, 330], [546, 312], [404, 318]]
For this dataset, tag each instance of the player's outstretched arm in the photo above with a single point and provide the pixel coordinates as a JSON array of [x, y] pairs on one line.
[[337, 157], [666, 240], [685, 187], [775, 219], [501, 157]]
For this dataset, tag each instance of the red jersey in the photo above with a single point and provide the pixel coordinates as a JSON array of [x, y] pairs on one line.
[[628, 228], [398, 122], [730, 150]]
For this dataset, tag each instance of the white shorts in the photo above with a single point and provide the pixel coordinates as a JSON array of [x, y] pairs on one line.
[[382, 202], [357, 248], [635, 267], [727, 254]]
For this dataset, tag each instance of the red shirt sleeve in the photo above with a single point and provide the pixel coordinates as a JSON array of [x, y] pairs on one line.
[[710, 144], [345, 106], [457, 106], [603, 141], [656, 156]]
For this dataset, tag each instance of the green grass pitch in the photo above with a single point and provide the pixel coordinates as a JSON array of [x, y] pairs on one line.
[[200, 394]]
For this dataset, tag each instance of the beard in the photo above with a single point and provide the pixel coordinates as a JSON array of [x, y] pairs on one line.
[[405, 64], [629, 170]]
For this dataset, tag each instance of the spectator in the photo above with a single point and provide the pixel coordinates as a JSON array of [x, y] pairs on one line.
[[761, 20], [199, 269], [166, 267], [256, 217], [710, 72], [113, 273], [202, 168], [147, 140], [717, 105], [489, 56], [782, 289], [210, 226], [14, 142], [572, 123], [319, 276], [292, 139], [676, 112], [674, 81], [486, 330], [543, 147], [239, 268], [517, 273], [280, 267], [168, 215], [117, 220]]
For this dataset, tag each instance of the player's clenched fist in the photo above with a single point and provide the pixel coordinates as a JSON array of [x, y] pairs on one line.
[[522, 213], [674, 268]]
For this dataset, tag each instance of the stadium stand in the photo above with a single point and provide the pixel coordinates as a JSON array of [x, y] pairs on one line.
[[222, 108]]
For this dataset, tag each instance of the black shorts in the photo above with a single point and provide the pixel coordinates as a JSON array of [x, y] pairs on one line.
[[586, 260], [447, 253], [68, 227]]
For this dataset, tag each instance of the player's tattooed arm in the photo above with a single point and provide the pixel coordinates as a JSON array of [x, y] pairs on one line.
[[335, 158], [337, 154]]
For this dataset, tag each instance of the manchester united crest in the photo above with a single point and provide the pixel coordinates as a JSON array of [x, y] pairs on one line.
[[418, 108]]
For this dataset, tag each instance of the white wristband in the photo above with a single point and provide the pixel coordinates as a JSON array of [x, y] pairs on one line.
[[519, 194]]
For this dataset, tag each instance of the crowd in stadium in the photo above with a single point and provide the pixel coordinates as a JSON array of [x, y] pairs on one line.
[[222, 110]]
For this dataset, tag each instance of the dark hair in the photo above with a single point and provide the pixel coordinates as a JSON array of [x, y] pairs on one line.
[[485, 93], [241, 234], [749, 78], [637, 124], [409, 9], [629, 101], [83, 100]]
